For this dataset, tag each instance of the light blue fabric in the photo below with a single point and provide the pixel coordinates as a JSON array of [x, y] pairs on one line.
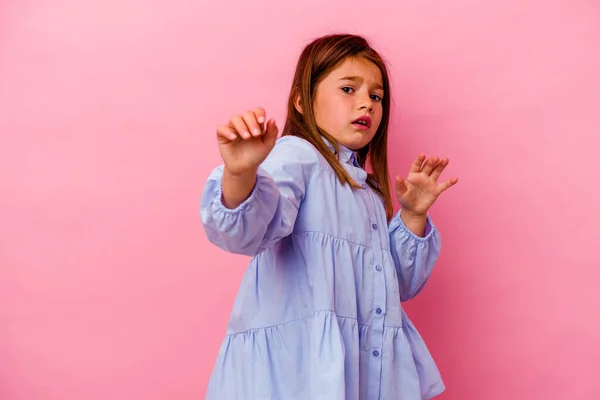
[[318, 315]]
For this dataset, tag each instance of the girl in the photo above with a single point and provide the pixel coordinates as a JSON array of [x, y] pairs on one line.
[[318, 313]]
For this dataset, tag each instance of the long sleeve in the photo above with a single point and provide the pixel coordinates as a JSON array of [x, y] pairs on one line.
[[270, 211], [413, 256]]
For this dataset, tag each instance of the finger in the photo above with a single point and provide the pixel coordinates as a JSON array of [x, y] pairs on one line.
[[252, 123], [439, 168], [271, 132], [417, 163], [261, 116], [401, 187], [447, 184], [429, 165], [224, 133], [239, 125]]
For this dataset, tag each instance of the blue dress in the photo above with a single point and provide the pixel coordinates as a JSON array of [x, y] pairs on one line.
[[318, 315]]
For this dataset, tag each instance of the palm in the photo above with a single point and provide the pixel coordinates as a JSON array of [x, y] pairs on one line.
[[245, 154], [420, 194], [420, 189], [242, 154]]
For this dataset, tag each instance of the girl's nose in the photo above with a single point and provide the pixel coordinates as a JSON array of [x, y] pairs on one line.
[[366, 104]]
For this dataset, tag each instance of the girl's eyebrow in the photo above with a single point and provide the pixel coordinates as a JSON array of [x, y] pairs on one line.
[[359, 79]]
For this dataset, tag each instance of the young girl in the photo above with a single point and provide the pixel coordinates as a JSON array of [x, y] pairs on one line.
[[318, 314]]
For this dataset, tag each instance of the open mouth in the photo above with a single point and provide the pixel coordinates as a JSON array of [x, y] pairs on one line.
[[363, 122]]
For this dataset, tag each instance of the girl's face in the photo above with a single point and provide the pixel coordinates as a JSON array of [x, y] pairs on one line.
[[348, 103]]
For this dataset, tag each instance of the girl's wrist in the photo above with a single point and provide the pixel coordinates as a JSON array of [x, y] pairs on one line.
[[411, 214], [416, 223], [236, 188]]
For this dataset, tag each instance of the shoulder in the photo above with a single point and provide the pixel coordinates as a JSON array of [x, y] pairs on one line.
[[295, 144], [294, 150], [294, 156]]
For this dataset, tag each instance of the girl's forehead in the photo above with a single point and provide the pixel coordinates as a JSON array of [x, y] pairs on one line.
[[357, 68]]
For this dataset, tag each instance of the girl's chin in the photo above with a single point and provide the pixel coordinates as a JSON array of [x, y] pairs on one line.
[[358, 140]]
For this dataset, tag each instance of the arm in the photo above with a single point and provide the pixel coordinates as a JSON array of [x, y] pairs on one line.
[[414, 256], [237, 187], [269, 212]]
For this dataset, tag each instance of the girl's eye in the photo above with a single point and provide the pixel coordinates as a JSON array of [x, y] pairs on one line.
[[374, 97]]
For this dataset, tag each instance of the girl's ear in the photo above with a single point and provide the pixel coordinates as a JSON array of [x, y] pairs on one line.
[[297, 104]]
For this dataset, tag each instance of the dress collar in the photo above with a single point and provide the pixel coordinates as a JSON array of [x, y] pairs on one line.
[[345, 154]]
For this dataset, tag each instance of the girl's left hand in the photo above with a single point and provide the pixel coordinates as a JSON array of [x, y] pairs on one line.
[[420, 189]]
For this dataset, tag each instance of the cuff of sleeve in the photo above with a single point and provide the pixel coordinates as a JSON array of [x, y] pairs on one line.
[[430, 228], [246, 204]]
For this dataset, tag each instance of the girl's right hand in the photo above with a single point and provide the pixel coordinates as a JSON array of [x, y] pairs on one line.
[[246, 141]]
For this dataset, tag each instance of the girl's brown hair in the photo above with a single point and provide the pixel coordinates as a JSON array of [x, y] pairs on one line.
[[318, 59]]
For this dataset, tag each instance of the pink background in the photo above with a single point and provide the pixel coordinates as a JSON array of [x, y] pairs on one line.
[[108, 286]]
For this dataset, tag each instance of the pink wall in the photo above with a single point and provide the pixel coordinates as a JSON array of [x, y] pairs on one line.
[[108, 287]]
